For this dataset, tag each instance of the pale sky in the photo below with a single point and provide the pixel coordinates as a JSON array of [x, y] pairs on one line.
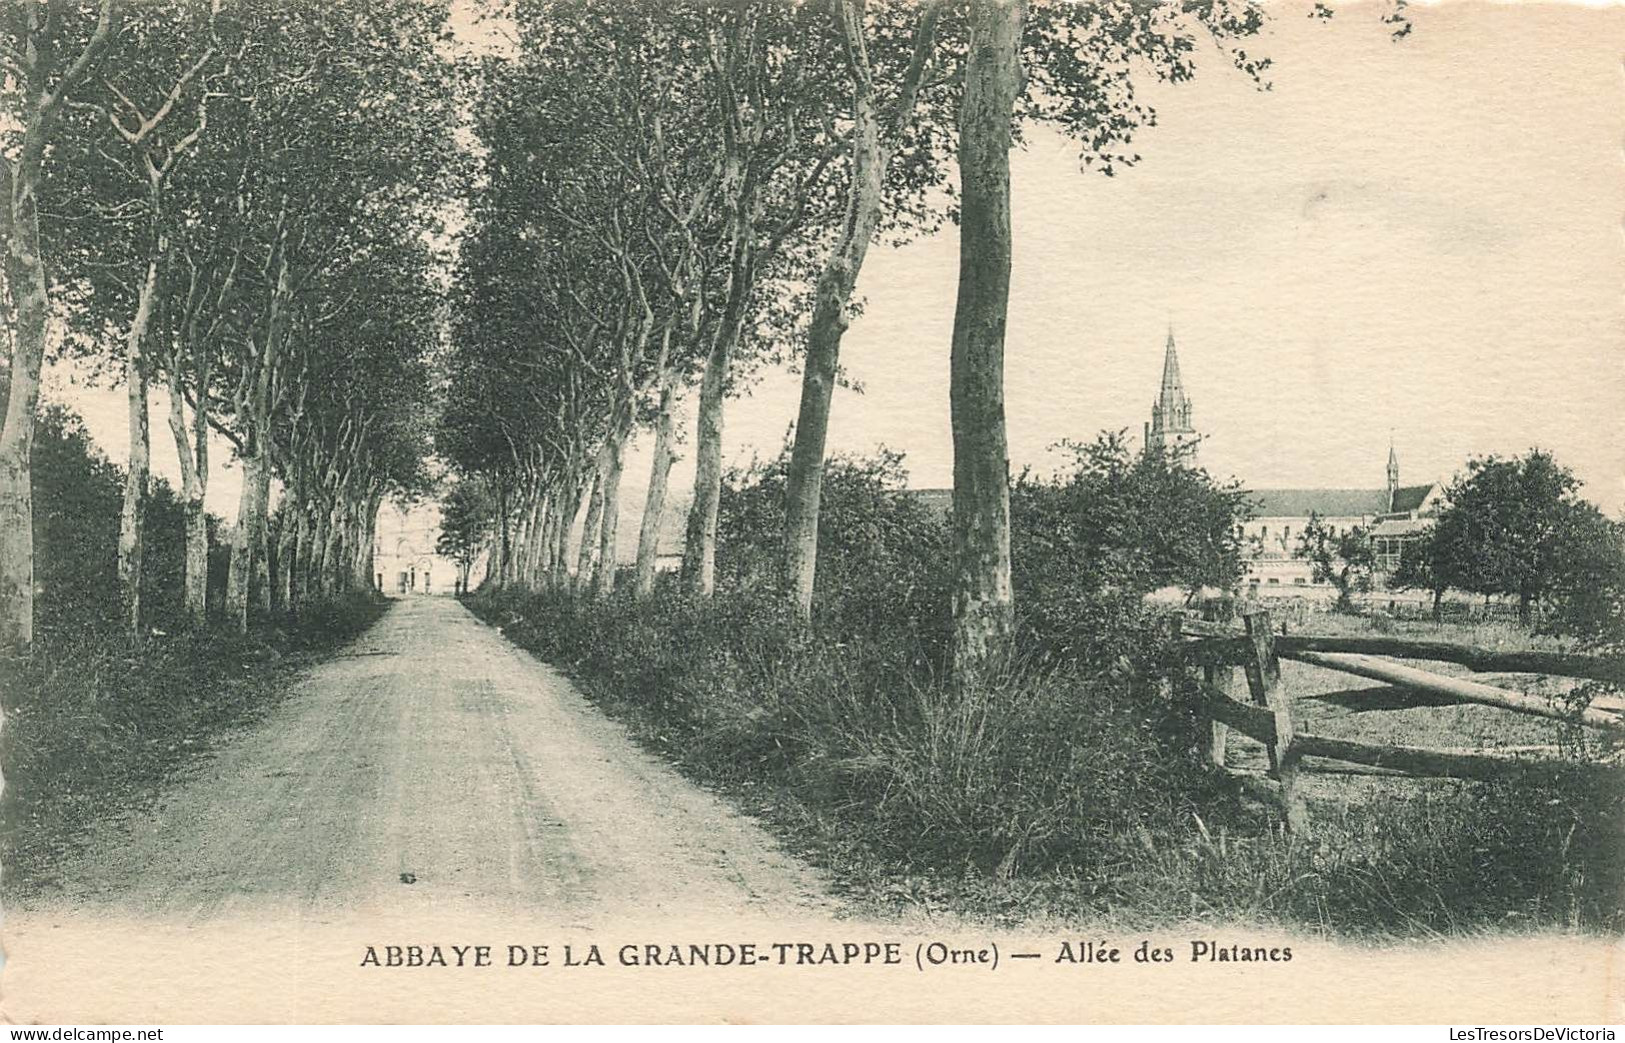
[[1420, 239]]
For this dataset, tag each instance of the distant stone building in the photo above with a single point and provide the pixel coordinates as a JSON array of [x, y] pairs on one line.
[[1394, 514], [404, 560]]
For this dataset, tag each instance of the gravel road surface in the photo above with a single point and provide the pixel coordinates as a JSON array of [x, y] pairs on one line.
[[433, 763]]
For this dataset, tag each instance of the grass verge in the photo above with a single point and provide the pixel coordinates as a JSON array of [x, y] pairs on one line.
[[1062, 797]]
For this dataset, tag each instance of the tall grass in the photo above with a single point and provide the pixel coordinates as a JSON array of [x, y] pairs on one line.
[[1073, 791]]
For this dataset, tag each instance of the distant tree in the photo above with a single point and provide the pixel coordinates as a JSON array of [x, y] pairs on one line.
[[1516, 527], [467, 517], [1416, 571], [1587, 596], [1089, 544], [1134, 522], [1344, 559]]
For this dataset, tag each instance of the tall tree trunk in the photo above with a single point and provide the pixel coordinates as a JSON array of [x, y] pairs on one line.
[[138, 477], [552, 504], [316, 553], [497, 572], [332, 552], [194, 461], [610, 516], [25, 277], [246, 542], [589, 528], [361, 564], [833, 292], [298, 575], [533, 537], [983, 607], [654, 502], [261, 588], [700, 546], [805, 481], [287, 559], [20, 180], [572, 503]]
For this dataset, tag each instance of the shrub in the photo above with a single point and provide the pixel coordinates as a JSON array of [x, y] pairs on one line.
[[78, 495], [1089, 544], [883, 560]]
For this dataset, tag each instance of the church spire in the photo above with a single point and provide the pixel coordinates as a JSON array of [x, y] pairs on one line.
[[1171, 415], [1393, 472], [1173, 390]]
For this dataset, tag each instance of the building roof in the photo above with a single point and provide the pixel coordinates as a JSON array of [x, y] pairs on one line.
[[1328, 503], [1173, 388], [1411, 497], [1401, 526]]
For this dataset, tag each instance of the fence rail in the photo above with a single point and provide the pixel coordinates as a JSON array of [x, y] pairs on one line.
[[1267, 715]]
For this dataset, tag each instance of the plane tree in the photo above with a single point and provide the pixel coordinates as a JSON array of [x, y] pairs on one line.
[[148, 112], [49, 51], [1074, 67]]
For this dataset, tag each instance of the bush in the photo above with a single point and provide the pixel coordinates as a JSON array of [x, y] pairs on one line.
[[1087, 546], [78, 495], [883, 554]]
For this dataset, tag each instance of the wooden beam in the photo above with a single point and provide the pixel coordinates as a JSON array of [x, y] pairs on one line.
[[1223, 681], [1219, 642], [1561, 664], [1264, 679], [1383, 697], [1457, 688], [1412, 760], [1256, 722]]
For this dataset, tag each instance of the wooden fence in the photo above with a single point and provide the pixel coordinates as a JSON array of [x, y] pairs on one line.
[[1267, 714]]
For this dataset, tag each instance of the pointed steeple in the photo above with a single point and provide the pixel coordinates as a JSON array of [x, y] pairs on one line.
[[1171, 415], [1393, 471], [1172, 388]]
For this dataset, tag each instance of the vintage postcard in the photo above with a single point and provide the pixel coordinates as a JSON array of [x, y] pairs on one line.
[[587, 511]]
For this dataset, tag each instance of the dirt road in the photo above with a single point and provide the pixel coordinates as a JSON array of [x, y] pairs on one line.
[[433, 764]]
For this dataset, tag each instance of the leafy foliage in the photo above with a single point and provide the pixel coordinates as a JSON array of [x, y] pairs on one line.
[[1089, 544], [1347, 560], [883, 552], [466, 517], [1518, 527]]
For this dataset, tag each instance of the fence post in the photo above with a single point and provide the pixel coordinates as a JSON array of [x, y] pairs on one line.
[[1173, 629], [1222, 678], [1268, 690]]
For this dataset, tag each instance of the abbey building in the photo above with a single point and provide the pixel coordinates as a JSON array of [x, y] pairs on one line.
[[1392, 513]]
